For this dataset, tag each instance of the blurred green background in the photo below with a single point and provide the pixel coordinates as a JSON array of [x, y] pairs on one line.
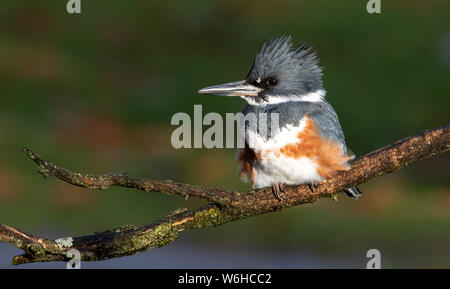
[[95, 93]]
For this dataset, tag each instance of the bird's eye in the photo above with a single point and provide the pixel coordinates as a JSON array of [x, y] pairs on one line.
[[272, 82]]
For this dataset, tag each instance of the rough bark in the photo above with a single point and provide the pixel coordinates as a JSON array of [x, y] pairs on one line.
[[224, 207]]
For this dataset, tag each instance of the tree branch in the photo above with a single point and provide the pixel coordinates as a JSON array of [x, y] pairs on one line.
[[123, 180], [224, 206]]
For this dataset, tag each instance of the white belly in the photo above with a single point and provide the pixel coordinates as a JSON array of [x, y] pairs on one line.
[[284, 170]]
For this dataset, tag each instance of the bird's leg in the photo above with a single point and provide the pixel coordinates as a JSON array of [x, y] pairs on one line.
[[276, 189], [312, 186]]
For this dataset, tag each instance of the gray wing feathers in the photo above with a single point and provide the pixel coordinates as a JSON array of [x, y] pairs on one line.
[[328, 123]]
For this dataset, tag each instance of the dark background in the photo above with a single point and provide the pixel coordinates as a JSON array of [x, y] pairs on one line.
[[95, 93]]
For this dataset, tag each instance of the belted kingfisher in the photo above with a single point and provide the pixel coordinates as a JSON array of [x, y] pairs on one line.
[[309, 144]]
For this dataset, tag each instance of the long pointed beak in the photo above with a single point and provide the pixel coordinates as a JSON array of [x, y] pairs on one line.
[[237, 88]]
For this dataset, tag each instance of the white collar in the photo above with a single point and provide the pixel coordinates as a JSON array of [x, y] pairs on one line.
[[316, 96]]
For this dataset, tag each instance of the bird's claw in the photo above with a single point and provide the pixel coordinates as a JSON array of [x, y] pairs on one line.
[[313, 186], [276, 189]]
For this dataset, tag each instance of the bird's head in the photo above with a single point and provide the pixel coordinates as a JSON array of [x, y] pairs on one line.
[[279, 73]]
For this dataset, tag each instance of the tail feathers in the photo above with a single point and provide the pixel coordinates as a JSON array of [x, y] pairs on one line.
[[353, 192]]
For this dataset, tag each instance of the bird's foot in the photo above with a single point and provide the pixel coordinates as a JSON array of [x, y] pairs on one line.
[[353, 192], [313, 186], [276, 189]]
